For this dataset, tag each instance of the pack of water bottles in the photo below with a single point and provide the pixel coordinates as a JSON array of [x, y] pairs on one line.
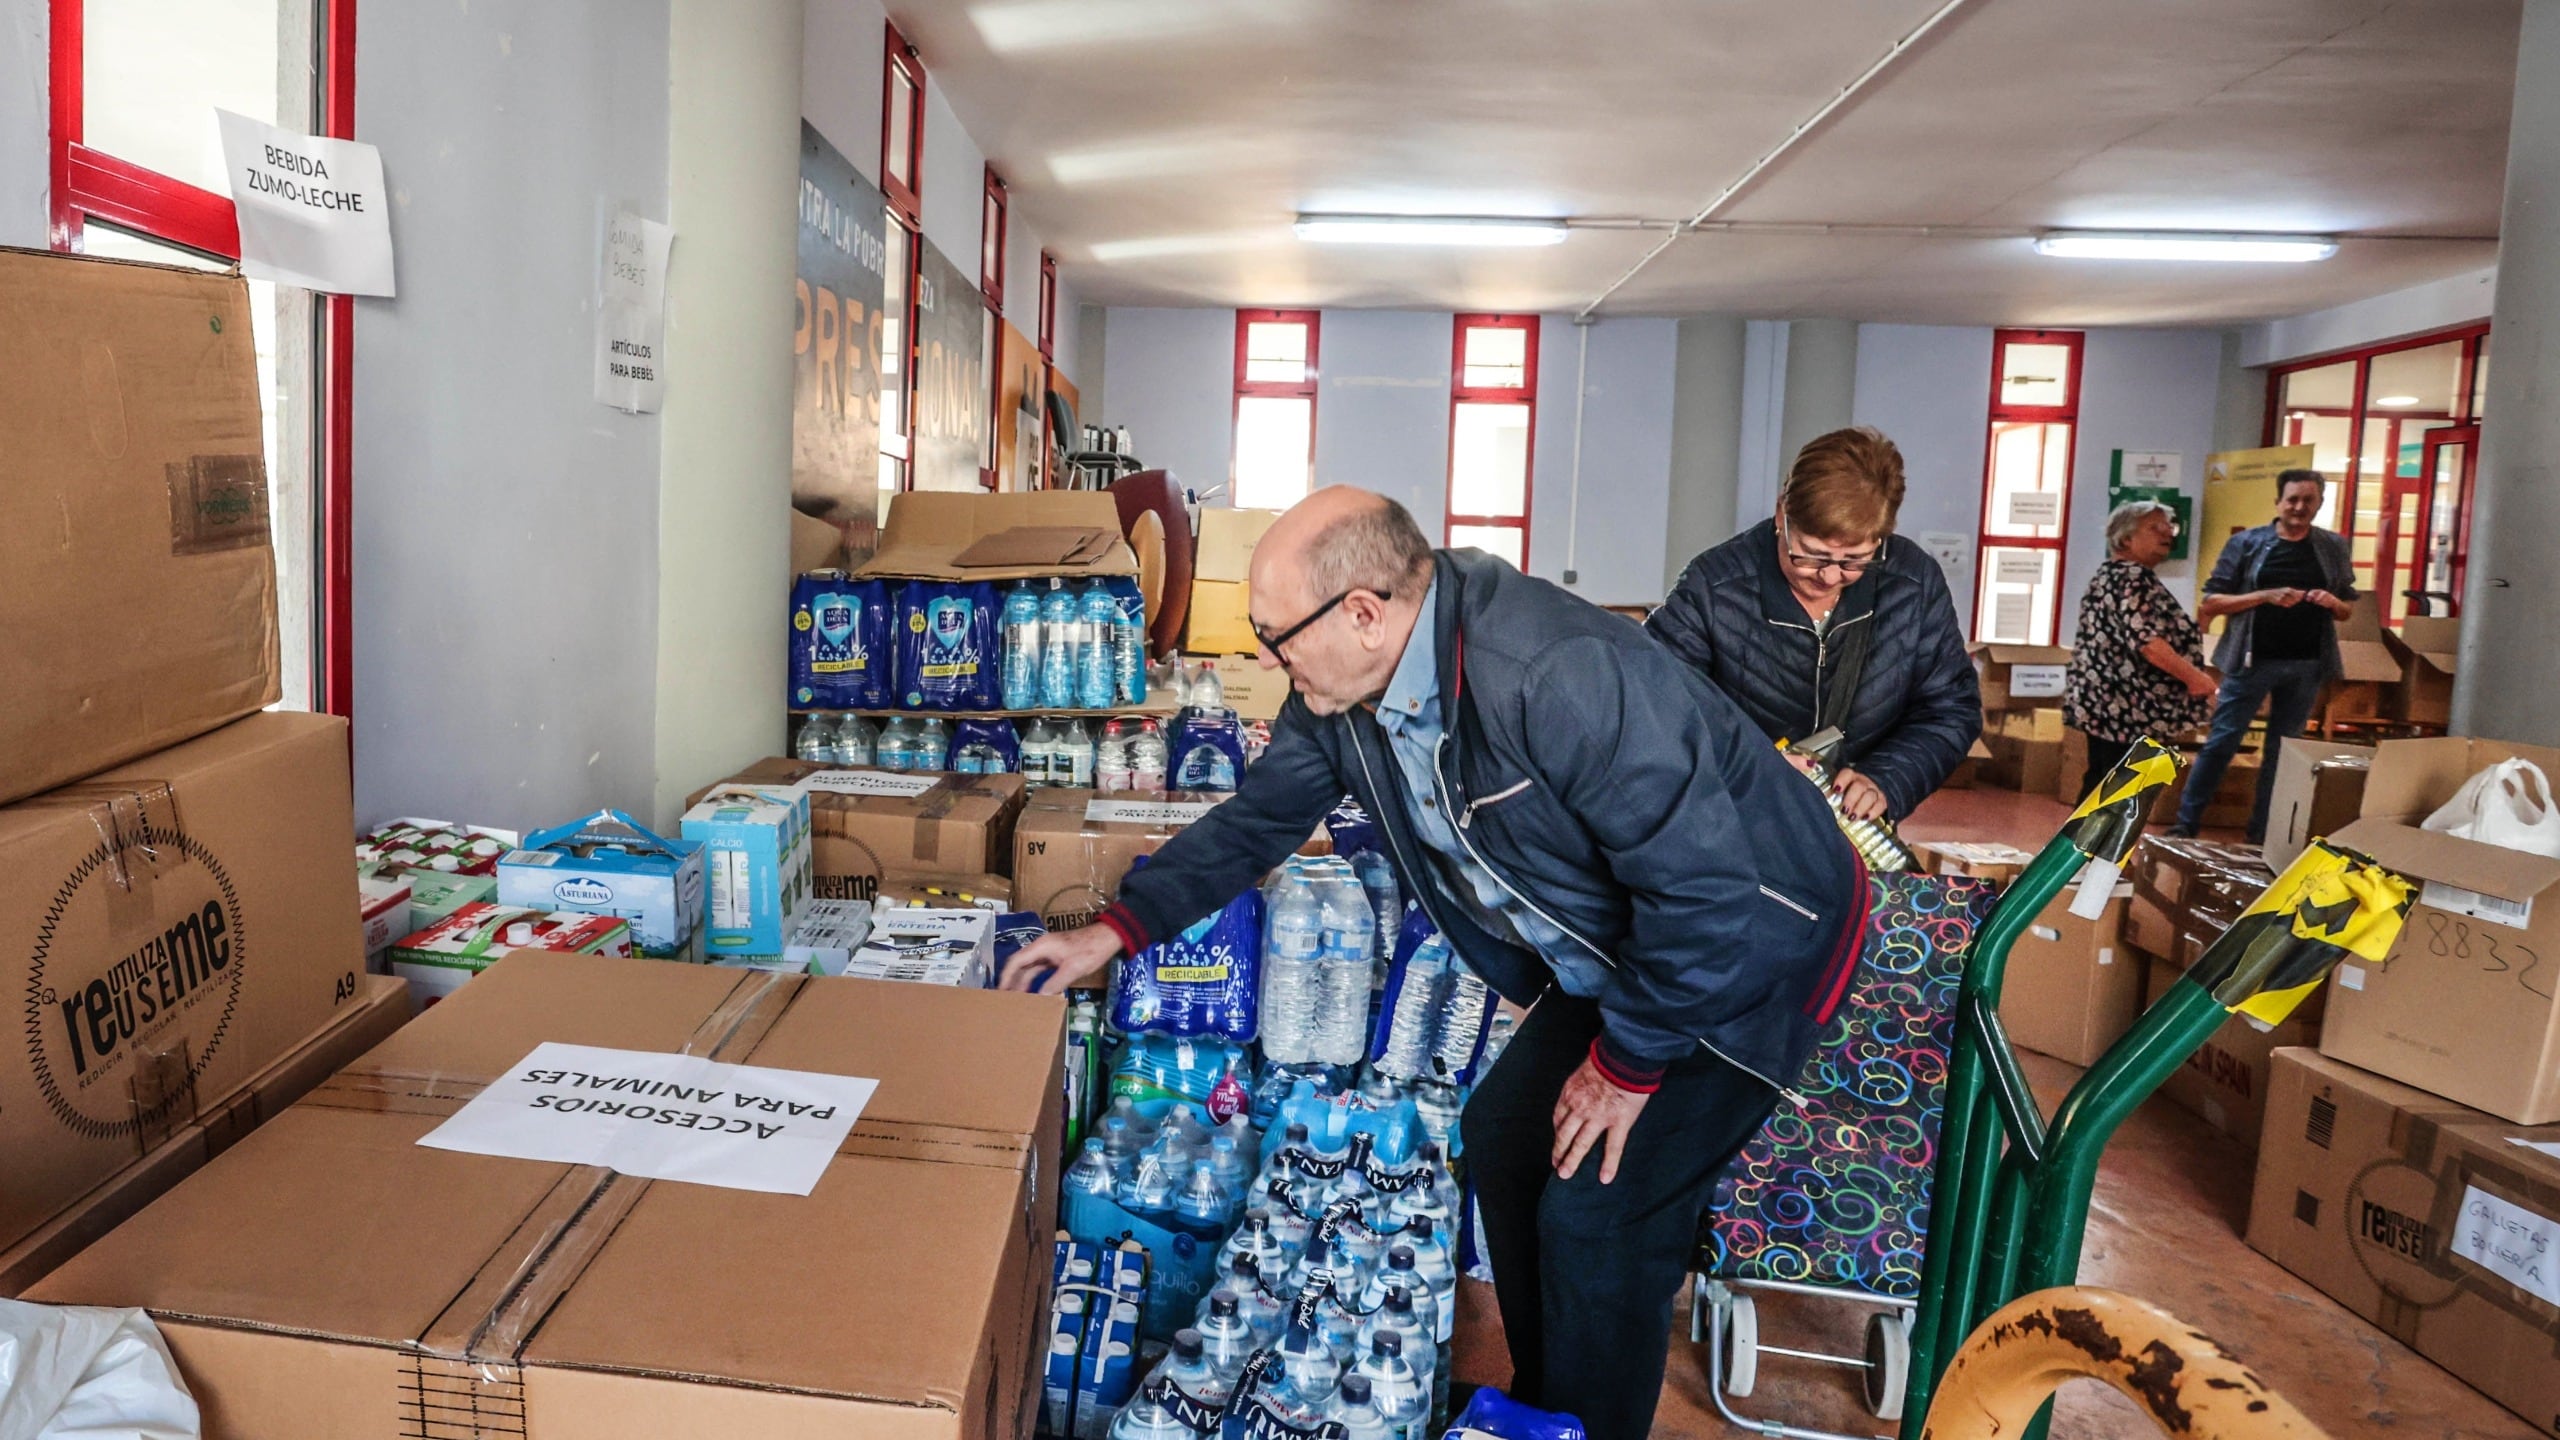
[[1205, 981], [1163, 1176], [1434, 1013], [1319, 949], [1070, 645], [840, 652]]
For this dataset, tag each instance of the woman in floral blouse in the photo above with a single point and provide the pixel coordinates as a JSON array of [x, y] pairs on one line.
[[2138, 666]]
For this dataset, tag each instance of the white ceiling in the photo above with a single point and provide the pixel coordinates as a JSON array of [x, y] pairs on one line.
[[1162, 147]]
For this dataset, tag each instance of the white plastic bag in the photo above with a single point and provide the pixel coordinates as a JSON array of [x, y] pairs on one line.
[[78, 1372], [2507, 805]]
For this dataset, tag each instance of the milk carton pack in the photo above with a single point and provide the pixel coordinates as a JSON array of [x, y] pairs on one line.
[[435, 961], [756, 870], [610, 864], [433, 894], [827, 935], [932, 947]]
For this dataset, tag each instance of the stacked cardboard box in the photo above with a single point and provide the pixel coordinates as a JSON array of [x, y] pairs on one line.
[[2073, 987], [2425, 647], [873, 825], [1222, 565], [2319, 789], [2021, 677], [2187, 892], [178, 903], [2026, 752], [1073, 847], [2369, 688]]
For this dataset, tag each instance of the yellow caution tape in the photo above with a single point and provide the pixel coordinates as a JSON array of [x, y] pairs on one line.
[[2109, 822], [2329, 903]]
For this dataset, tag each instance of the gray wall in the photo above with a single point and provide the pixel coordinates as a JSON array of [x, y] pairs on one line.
[[1617, 550], [1173, 374], [1929, 388], [1382, 408], [506, 525], [26, 125], [1706, 431], [1822, 378]]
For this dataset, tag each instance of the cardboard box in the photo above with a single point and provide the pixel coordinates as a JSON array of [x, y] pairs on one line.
[[1251, 691], [2319, 790], [827, 935], [2463, 1006], [2000, 864], [611, 864], [435, 961], [755, 849], [2224, 1083], [2187, 892], [378, 1006], [1073, 847], [2232, 801], [2426, 647], [929, 530], [2397, 1205], [2072, 988], [868, 824], [1220, 595], [140, 587], [172, 926], [433, 894], [2021, 677], [2369, 686], [1968, 771], [993, 893], [385, 912], [2021, 759], [317, 1277]]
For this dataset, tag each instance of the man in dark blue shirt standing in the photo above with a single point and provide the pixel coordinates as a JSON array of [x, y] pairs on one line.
[[2284, 587]]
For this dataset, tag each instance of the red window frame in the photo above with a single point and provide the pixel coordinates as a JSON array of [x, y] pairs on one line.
[[1461, 393], [2066, 413], [1301, 389], [91, 184], [1048, 307], [992, 237], [994, 224], [902, 62]]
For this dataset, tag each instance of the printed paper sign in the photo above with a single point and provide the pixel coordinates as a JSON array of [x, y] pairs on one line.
[[2035, 682], [2155, 468], [662, 1117], [312, 210], [2011, 616], [2018, 567], [631, 315], [2497, 910], [2034, 507], [2510, 1242], [1146, 812], [867, 782]]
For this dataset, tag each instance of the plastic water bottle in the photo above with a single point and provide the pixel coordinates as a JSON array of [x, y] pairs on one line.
[[1097, 657], [1186, 1367], [932, 747], [1149, 1190], [1206, 691], [1039, 749], [1226, 1338], [1354, 1409], [1075, 749], [1293, 941], [1417, 1008], [855, 740], [1119, 1147], [1091, 1174], [1059, 631], [1129, 655], [896, 747], [1147, 757], [1111, 769], [1343, 976], [816, 740], [1253, 1237], [1378, 878], [1396, 1314], [1229, 1162], [1240, 1280], [1142, 1129], [1144, 1418], [1307, 1360], [1204, 1202], [1402, 1396], [1464, 1001], [1421, 1201], [1021, 621], [1432, 1261]]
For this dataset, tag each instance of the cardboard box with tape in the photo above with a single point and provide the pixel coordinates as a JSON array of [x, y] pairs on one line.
[[379, 1005], [2435, 1222], [1220, 569], [2021, 677], [2369, 686], [2187, 892], [867, 824], [2426, 647], [2072, 988], [902, 1293], [2000, 864], [2224, 1083], [2464, 1004], [174, 925], [2026, 752], [2319, 789], [1073, 847], [142, 607]]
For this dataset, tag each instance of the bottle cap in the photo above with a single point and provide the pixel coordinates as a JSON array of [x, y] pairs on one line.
[[1387, 1343], [1400, 1258], [1398, 1300], [1187, 1344], [1222, 1305], [1355, 1389]]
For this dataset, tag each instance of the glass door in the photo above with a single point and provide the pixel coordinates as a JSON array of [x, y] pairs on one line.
[[2451, 462]]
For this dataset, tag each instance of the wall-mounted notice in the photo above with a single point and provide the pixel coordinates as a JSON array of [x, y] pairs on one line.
[[662, 1117], [631, 315], [2010, 619], [312, 210], [2018, 567], [2034, 507]]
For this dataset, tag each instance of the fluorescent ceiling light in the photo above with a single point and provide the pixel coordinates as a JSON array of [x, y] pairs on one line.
[[2183, 245], [2397, 400], [1428, 230]]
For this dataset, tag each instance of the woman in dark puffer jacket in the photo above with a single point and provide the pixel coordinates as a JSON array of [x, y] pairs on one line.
[[1822, 616]]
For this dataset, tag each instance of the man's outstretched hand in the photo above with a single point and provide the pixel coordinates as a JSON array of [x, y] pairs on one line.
[[1589, 1112], [1058, 961]]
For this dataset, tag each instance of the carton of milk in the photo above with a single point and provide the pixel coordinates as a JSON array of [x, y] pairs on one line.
[[438, 959], [755, 854], [827, 935], [932, 947], [610, 864]]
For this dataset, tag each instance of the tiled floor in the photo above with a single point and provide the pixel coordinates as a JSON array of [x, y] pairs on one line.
[[2172, 1198]]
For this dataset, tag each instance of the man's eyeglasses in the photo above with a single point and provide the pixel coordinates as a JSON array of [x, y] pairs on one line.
[[1273, 642], [1851, 566]]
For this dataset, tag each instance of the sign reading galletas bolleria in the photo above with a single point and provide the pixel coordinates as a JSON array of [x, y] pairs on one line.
[[312, 210], [662, 1117]]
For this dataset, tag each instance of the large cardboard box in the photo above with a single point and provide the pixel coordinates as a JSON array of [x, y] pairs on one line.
[[2232, 800], [328, 1275], [2026, 752], [172, 926], [2021, 677], [1251, 691], [2319, 790], [1998, 863], [1219, 623], [2426, 647], [2369, 687], [1045, 532], [2187, 892], [2434, 1222], [2463, 1006], [2072, 988], [871, 823], [380, 1006], [1073, 847], [140, 584], [2225, 1081]]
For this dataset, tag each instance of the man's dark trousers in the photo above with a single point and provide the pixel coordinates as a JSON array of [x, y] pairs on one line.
[[1586, 1273]]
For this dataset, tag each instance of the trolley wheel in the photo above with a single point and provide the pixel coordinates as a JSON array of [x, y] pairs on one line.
[[1888, 1371], [1741, 1346]]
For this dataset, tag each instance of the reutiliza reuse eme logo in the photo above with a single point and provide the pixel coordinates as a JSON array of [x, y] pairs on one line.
[[133, 942]]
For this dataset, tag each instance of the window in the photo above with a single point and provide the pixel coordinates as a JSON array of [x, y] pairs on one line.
[[2396, 430], [2026, 486], [1275, 407], [902, 128], [1048, 306], [991, 241], [1493, 428], [901, 171], [137, 173]]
